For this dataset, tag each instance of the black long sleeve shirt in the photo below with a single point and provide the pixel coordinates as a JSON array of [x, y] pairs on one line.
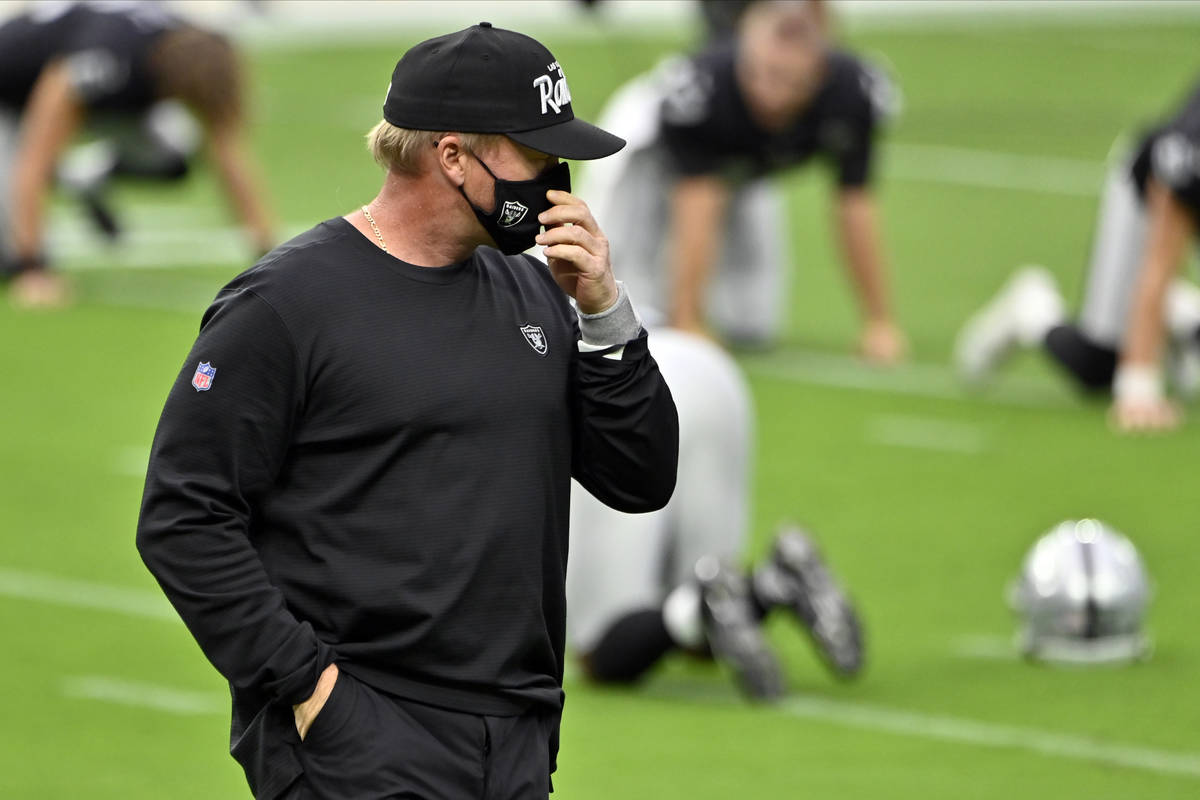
[[368, 461]]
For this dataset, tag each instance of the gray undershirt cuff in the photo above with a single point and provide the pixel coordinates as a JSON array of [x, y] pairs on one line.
[[615, 325]]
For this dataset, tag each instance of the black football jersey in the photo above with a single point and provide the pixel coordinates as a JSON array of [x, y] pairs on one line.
[[106, 48], [707, 128], [1171, 153]]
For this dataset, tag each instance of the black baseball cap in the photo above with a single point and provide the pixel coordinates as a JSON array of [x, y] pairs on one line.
[[490, 80]]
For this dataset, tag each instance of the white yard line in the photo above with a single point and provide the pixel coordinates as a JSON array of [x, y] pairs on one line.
[[930, 380], [176, 237], [984, 647], [958, 730], [145, 695], [966, 166], [72, 593], [923, 433], [131, 461]]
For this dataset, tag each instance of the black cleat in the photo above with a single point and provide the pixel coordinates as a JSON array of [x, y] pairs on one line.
[[100, 214], [733, 632], [795, 577]]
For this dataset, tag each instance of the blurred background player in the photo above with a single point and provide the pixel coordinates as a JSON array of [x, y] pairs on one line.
[[129, 71], [1133, 299], [642, 585], [694, 218]]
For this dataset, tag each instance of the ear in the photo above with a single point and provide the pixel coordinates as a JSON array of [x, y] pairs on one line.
[[452, 158]]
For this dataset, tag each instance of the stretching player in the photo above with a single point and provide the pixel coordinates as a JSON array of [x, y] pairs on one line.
[[1133, 300], [121, 67], [642, 585], [696, 220]]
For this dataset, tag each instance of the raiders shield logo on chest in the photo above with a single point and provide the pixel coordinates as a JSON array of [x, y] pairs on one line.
[[536, 338]]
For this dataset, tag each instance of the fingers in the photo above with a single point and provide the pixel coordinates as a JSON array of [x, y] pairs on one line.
[[568, 209], [572, 253], [574, 234], [1144, 417]]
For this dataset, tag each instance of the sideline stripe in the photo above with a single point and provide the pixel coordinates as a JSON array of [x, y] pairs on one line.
[[145, 695], [85, 594], [965, 731], [926, 434]]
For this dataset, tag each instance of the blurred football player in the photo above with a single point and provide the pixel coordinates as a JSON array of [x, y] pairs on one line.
[[694, 216], [132, 73], [642, 585], [1133, 303]]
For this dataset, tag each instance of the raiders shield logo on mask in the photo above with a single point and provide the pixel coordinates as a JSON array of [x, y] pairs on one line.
[[512, 213], [537, 340]]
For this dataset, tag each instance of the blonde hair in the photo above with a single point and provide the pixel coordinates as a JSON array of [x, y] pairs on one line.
[[399, 149]]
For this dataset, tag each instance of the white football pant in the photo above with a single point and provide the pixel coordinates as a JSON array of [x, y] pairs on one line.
[[620, 562]]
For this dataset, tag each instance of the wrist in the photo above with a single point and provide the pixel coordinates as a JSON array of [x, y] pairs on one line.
[[1138, 383], [602, 307], [617, 324], [25, 264]]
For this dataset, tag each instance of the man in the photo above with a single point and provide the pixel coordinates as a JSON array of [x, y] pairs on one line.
[[641, 586], [126, 68], [358, 494], [1149, 214], [690, 204]]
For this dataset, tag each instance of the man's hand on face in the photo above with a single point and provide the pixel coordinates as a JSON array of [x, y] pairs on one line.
[[307, 711], [577, 253]]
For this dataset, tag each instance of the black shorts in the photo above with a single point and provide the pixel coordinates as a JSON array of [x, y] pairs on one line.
[[367, 745]]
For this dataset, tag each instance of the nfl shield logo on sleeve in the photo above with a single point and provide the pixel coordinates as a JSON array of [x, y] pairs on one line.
[[203, 377], [535, 337]]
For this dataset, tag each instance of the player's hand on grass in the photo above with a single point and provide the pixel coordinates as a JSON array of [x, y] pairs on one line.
[[577, 252], [307, 711], [1139, 404], [1144, 416], [882, 343], [40, 289]]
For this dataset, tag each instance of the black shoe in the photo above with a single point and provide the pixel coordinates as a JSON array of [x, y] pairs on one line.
[[795, 577], [733, 632]]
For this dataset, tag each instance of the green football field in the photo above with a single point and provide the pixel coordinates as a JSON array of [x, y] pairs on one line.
[[925, 497]]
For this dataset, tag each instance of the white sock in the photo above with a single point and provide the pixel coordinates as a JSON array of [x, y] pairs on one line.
[[681, 616], [1037, 304], [1182, 309]]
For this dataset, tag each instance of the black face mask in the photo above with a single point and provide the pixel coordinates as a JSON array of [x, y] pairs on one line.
[[513, 223]]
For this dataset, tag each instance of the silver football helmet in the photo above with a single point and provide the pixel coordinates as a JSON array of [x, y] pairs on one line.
[[1082, 594]]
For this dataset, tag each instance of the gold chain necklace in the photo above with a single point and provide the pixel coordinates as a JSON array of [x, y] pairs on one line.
[[374, 227]]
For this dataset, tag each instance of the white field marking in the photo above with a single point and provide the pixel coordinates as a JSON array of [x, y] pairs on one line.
[[131, 461], [145, 695], [958, 730], [923, 433], [850, 714], [932, 380], [85, 594], [984, 647], [167, 241], [964, 166]]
